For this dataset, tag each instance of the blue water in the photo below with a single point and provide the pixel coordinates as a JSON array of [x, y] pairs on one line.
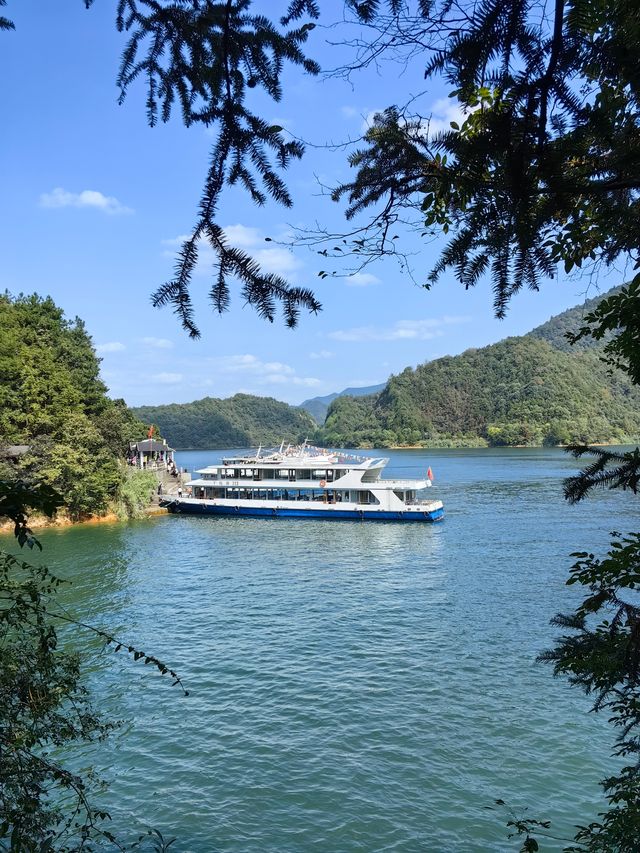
[[353, 687]]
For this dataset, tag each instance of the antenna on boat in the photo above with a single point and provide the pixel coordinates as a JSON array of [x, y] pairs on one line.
[[258, 453], [281, 446]]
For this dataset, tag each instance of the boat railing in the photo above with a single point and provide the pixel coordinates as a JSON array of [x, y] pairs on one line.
[[266, 456]]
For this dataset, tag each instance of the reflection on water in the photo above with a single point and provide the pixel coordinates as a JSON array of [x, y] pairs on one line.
[[354, 686]]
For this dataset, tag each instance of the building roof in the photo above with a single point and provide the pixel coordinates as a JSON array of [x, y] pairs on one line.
[[150, 445]]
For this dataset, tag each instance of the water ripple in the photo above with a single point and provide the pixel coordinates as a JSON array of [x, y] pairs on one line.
[[354, 687]]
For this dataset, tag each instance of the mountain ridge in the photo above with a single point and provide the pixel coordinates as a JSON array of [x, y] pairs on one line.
[[528, 390], [319, 406], [243, 420]]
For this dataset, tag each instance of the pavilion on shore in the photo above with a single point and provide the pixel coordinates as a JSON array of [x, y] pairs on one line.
[[151, 453]]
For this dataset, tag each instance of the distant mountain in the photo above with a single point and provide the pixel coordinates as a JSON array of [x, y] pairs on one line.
[[318, 406], [239, 421], [534, 389]]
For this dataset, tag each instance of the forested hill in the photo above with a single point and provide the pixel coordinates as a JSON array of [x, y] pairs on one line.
[[555, 330], [239, 421], [525, 390], [55, 407]]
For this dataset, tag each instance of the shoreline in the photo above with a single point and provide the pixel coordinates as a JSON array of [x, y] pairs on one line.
[[480, 444], [41, 522], [153, 510]]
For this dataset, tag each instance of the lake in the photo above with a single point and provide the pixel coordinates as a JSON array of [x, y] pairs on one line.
[[353, 686]]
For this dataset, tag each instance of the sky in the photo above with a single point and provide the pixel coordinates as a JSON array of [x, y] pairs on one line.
[[94, 203]]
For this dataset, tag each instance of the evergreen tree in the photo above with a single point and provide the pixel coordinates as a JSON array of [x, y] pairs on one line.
[[53, 401]]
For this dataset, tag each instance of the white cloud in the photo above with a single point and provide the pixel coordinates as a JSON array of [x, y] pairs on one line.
[[361, 383], [243, 236], [362, 279], [279, 261], [371, 333], [158, 343], [248, 364], [262, 372], [421, 330], [443, 112], [366, 115], [87, 198], [368, 119], [276, 259], [286, 379], [110, 346], [167, 378], [323, 353], [286, 123]]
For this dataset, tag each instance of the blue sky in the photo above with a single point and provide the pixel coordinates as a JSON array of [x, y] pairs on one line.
[[94, 203]]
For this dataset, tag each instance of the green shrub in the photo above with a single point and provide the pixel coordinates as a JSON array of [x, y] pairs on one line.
[[138, 487]]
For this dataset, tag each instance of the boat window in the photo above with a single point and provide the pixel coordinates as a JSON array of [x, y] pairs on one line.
[[367, 498]]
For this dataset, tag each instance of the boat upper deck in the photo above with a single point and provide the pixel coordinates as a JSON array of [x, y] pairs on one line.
[[299, 457], [307, 468]]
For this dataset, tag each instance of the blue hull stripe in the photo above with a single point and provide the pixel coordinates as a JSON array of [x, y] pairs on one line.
[[269, 512]]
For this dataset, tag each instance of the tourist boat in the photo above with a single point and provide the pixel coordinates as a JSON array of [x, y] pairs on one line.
[[305, 482]]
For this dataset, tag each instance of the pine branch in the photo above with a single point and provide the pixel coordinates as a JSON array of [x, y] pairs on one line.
[[624, 474], [204, 57]]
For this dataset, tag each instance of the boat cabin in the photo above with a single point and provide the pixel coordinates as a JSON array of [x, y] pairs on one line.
[[329, 479], [305, 482]]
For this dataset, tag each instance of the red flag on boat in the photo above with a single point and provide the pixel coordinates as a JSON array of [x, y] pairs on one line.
[[429, 473], [150, 433]]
